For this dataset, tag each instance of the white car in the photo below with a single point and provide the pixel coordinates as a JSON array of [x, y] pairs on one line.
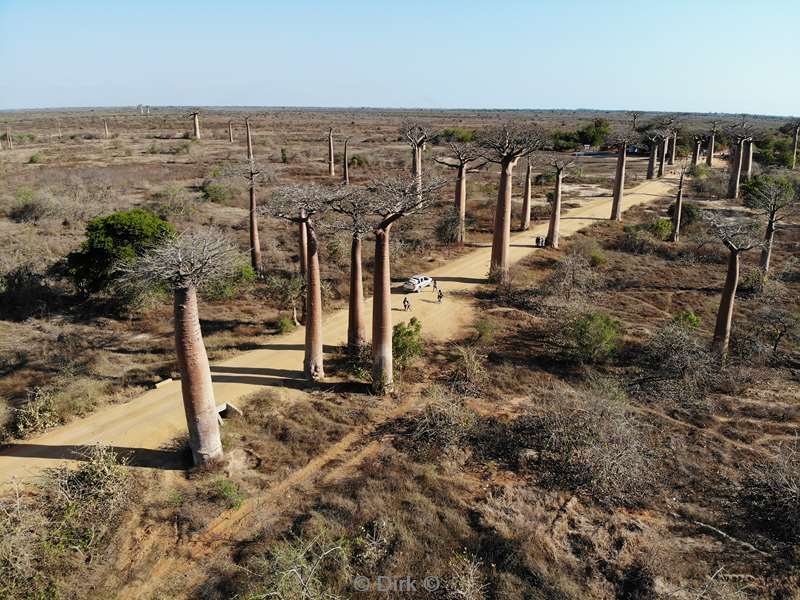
[[417, 282]]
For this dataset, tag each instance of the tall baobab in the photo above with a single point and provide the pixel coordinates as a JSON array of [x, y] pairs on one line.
[[392, 199], [621, 140], [9, 139], [300, 204], [795, 140], [185, 264], [354, 209], [654, 138], [525, 221], [673, 146], [676, 214], [737, 238], [711, 139], [196, 123], [559, 164], [505, 145], [662, 152], [345, 164], [697, 141], [230, 131], [747, 159], [777, 199], [462, 158], [740, 134], [417, 135], [331, 166], [105, 128]]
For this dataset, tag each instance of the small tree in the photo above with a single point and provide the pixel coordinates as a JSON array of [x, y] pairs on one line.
[[740, 134], [463, 157], [392, 199], [559, 164], [345, 165], [676, 213], [196, 123], [737, 237], [185, 264], [777, 199], [331, 166], [287, 291], [505, 145], [712, 136]]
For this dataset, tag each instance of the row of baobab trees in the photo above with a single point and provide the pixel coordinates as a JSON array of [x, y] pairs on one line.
[[188, 262]]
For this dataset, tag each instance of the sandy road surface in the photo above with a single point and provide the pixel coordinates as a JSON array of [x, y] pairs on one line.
[[146, 423]]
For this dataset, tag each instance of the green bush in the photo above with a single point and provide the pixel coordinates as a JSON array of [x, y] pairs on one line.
[[111, 239], [286, 325], [407, 342], [449, 227], [226, 288], [660, 228], [284, 156], [638, 241], [358, 160], [594, 337], [216, 192], [698, 170], [690, 213], [590, 250], [226, 492], [687, 319], [454, 134], [35, 158]]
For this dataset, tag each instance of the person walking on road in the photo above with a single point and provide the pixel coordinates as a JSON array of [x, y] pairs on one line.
[[435, 285], [439, 296], [406, 304]]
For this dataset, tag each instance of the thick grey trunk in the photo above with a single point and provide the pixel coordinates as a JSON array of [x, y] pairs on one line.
[[651, 161], [710, 155], [526, 199], [418, 168], [345, 166], [196, 126], [498, 267], [331, 166], [673, 148], [766, 251], [303, 243], [9, 139], [313, 363], [722, 330], [747, 160], [676, 216], [382, 360], [735, 178], [230, 131], [461, 203], [696, 153], [105, 128], [619, 184], [196, 386], [795, 141], [356, 329], [555, 213], [662, 156]]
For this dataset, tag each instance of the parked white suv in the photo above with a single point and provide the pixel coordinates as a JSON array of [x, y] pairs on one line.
[[417, 282]]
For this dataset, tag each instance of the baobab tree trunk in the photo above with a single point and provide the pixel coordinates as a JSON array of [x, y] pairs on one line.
[[418, 168], [676, 215], [766, 251], [313, 362], [356, 330], [794, 146], [196, 126], [382, 365], [673, 148], [710, 155], [9, 139], [662, 156], [555, 213], [196, 387], [696, 153], [460, 203], [255, 244], [722, 330], [619, 184], [303, 243], [230, 131], [331, 166], [747, 159], [651, 161], [526, 199], [105, 128], [736, 170], [498, 267], [345, 166]]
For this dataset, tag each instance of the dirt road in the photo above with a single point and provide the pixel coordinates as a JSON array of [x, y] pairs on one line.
[[146, 423]]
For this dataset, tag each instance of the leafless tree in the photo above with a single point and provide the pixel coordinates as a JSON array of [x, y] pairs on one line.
[[392, 199], [697, 142], [777, 199], [345, 164], [740, 135], [654, 138], [505, 145], [621, 140], [185, 264], [676, 215], [230, 131], [737, 237], [287, 291], [196, 122], [331, 166], [559, 164], [417, 135], [795, 140], [300, 203], [711, 139], [354, 210], [464, 158]]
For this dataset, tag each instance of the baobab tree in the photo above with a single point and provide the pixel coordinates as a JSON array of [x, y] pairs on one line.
[[697, 142], [345, 164], [654, 138], [621, 140], [331, 167], [673, 146], [662, 152], [463, 158], [505, 145], [711, 139], [185, 264], [795, 139], [417, 135], [392, 199], [300, 204], [559, 164], [354, 210], [196, 123], [9, 139], [747, 159], [739, 134], [105, 128], [777, 199], [676, 215], [738, 237], [230, 131]]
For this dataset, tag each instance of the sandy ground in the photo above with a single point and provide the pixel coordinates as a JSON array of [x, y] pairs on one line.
[[146, 424]]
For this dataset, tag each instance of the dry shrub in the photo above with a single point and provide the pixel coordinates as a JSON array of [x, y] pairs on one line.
[[465, 580], [444, 423], [770, 493], [573, 276], [35, 415], [468, 374]]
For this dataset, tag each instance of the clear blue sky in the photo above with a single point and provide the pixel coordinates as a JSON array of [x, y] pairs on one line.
[[670, 55]]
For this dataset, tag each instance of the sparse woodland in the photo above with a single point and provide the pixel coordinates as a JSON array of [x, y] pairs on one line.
[[618, 417]]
